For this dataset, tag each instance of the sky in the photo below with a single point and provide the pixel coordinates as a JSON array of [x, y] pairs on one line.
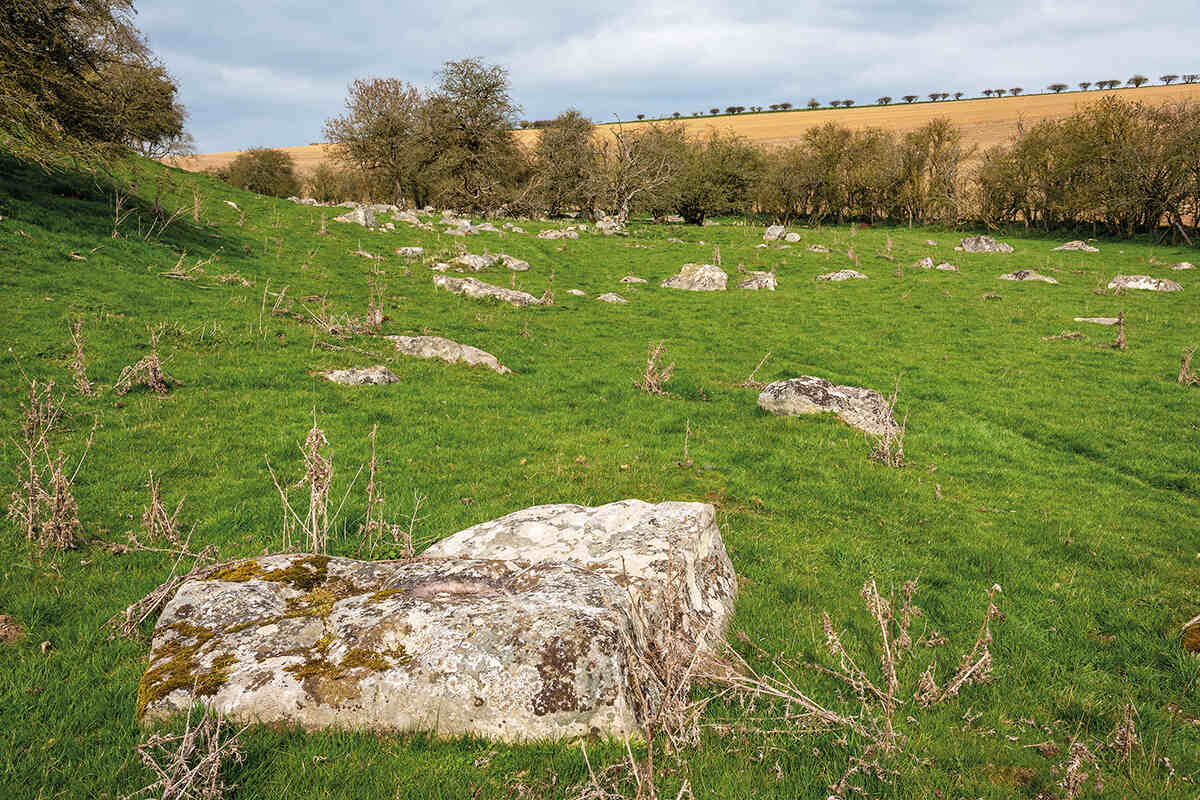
[[269, 74]]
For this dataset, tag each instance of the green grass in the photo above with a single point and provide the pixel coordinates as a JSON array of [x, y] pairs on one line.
[[1069, 474]]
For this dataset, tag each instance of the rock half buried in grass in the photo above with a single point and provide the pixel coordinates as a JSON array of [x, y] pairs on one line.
[[1144, 282], [861, 408], [361, 376], [983, 244], [611, 297], [759, 280], [532, 626], [1191, 635], [840, 275], [632, 279], [1098, 320], [447, 350], [1183, 265], [1080, 245], [1026, 275], [698, 278], [478, 290], [363, 215], [475, 262]]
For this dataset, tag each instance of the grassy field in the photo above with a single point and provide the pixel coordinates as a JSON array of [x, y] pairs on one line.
[[1064, 470], [985, 122]]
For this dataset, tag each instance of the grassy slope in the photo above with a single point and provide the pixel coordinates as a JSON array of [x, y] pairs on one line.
[[1069, 473], [985, 122]]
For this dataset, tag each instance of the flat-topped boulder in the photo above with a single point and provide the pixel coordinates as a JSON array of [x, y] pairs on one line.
[[1026, 275], [1079, 245], [698, 278], [860, 408], [1183, 265], [533, 626], [632, 279], [456, 646], [475, 262], [361, 376], [1099, 320], [360, 215], [841, 275], [983, 244], [774, 233], [1144, 282], [477, 289], [611, 297], [759, 280], [447, 350], [564, 233]]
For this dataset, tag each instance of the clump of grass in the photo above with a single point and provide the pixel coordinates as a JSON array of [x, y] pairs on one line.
[[78, 365], [655, 375], [888, 447], [187, 766], [1186, 376], [147, 372], [43, 504]]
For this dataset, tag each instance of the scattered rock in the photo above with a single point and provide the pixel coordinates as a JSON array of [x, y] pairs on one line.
[[864, 409], [946, 266], [818, 248], [698, 278], [410, 252], [1026, 275], [441, 266], [610, 297], [474, 262], [489, 227], [1098, 320], [983, 244], [361, 215], [925, 263], [361, 376], [632, 279], [478, 289], [676, 240], [931, 242], [759, 280], [516, 229], [774, 233], [1144, 282], [840, 275], [1191, 635], [533, 626], [674, 219], [1184, 265], [608, 225], [791, 237], [11, 631], [407, 216], [514, 263], [447, 350], [565, 233], [1078, 245], [577, 292]]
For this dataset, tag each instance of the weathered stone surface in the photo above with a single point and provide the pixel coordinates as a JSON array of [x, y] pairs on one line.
[[1098, 320], [925, 263], [513, 263], [983, 244], [1191, 635], [361, 376], [632, 279], [609, 226], [861, 408], [946, 266], [488, 227], [478, 289], [611, 297], [818, 248], [931, 242], [840, 275], [475, 262], [447, 350], [1184, 265], [1026, 275], [558, 234], [669, 556], [774, 233], [577, 292], [410, 252], [1078, 245], [698, 278], [791, 237], [361, 215], [441, 266], [407, 216], [759, 280], [1144, 282], [457, 646]]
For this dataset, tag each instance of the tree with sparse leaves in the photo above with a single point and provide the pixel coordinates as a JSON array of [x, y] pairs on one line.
[[883, 101], [1085, 85], [1167, 79], [1137, 80], [908, 98], [814, 103], [1057, 87]]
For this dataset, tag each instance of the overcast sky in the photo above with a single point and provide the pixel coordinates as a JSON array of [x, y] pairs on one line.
[[269, 74]]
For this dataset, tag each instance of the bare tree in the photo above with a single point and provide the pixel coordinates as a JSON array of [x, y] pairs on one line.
[[1191, 77], [883, 101], [1016, 90], [847, 103], [1137, 80], [1167, 79], [908, 98], [814, 103], [988, 92], [1056, 87], [1085, 85], [633, 165], [787, 106], [958, 95]]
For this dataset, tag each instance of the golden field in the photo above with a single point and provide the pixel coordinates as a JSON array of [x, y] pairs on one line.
[[985, 121]]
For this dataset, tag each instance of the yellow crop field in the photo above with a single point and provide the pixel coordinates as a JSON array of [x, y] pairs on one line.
[[985, 122]]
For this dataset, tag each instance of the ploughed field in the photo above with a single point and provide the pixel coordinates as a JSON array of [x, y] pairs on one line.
[[985, 122], [1061, 469]]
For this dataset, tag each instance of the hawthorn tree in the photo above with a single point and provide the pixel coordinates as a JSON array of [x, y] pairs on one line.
[[814, 103], [1167, 79], [883, 101], [1056, 87], [958, 95], [1085, 85], [565, 162], [1137, 80], [908, 98], [787, 106]]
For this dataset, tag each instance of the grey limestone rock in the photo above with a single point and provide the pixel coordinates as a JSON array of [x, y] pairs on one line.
[[759, 280], [448, 350], [1026, 275], [611, 297], [478, 289], [361, 376], [1080, 245], [983, 244], [840, 275], [861, 408], [1144, 282], [698, 278]]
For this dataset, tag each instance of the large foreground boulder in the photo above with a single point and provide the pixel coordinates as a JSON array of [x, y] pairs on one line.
[[698, 278], [537, 625], [1144, 282], [983, 244], [447, 350], [478, 290], [861, 408]]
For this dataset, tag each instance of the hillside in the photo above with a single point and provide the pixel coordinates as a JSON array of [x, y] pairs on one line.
[[985, 122]]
